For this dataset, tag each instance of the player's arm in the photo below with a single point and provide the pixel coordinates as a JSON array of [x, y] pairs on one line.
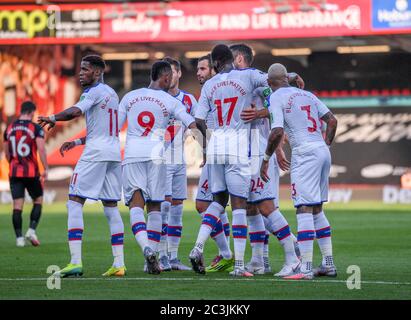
[[65, 115], [282, 160], [250, 114], [331, 122], [6, 146], [41, 147], [327, 116], [294, 77], [203, 108], [276, 135], [86, 102], [6, 150], [68, 145]]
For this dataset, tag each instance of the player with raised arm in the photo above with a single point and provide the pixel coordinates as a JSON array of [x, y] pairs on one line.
[[221, 233], [148, 111], [22, 140], [225, 96], [299, 113], [176, 190], [97, 174], [264, 197]]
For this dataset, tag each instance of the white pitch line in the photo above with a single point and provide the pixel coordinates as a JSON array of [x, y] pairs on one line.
[[209, 279]]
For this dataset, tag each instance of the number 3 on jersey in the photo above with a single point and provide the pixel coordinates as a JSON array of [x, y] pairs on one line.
[[146, 120], [308, 110], [218, 104]]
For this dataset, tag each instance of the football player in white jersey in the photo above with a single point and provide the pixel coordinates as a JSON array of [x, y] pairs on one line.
[[221, 233], [97, 174], [299, 113], [148, 111], [225, 95], [263, 197], [176, 190]]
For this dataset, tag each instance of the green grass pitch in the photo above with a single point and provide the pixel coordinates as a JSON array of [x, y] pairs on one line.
[[373, 236]]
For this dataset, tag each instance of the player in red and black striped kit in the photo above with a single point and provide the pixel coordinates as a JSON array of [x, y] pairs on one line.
[[22, 139]]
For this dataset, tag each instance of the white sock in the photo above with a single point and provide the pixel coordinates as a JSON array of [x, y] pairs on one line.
[[165, 210], [256, 233], [75, 230], [154, 229], [226, 226], [281, 230], [138, 225], [209, 222], [323, 235], [306, 235], [239, 235], [219, 237], [266, 244], [174, 230], [117, 235]]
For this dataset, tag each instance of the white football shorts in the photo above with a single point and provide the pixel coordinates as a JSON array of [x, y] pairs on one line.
[[176, 187], [203, 189], [146, 176], [259, 190], [309, 176], [96, 180], [230, 173]]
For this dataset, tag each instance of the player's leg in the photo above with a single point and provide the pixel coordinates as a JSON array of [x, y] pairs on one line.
[[35, 190], [109, 196], [155, 196], [17, 193], [162, 246], [135, 181], [275, 185], [86, 183], [238, 178], [322, 226], [203, 199], [256, 232], [305, 182], [211, 216], [175, 219], [280, 228], [165, 213]]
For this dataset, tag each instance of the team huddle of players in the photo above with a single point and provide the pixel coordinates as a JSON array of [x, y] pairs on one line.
[[239, 121]]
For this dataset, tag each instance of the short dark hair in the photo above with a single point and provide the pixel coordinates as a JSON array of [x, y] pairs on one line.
[[206, 57], [95, 60], [244, 50], [27, 107], [221, 54], [159, 68], [173, 62]]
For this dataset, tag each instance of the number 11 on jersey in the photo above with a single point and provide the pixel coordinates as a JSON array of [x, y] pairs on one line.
[[115, 112]]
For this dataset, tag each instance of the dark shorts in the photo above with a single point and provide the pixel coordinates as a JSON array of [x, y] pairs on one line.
[[33, 186]]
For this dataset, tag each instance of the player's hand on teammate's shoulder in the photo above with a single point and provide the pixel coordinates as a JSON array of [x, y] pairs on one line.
[[249, 114], [66, 146], [295, 77], [43, 121]]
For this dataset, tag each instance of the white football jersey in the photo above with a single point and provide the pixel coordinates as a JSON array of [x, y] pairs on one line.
[[299, 113], [260, 128], [176, 129], [225, 95], [148, 113], [100, 106]]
